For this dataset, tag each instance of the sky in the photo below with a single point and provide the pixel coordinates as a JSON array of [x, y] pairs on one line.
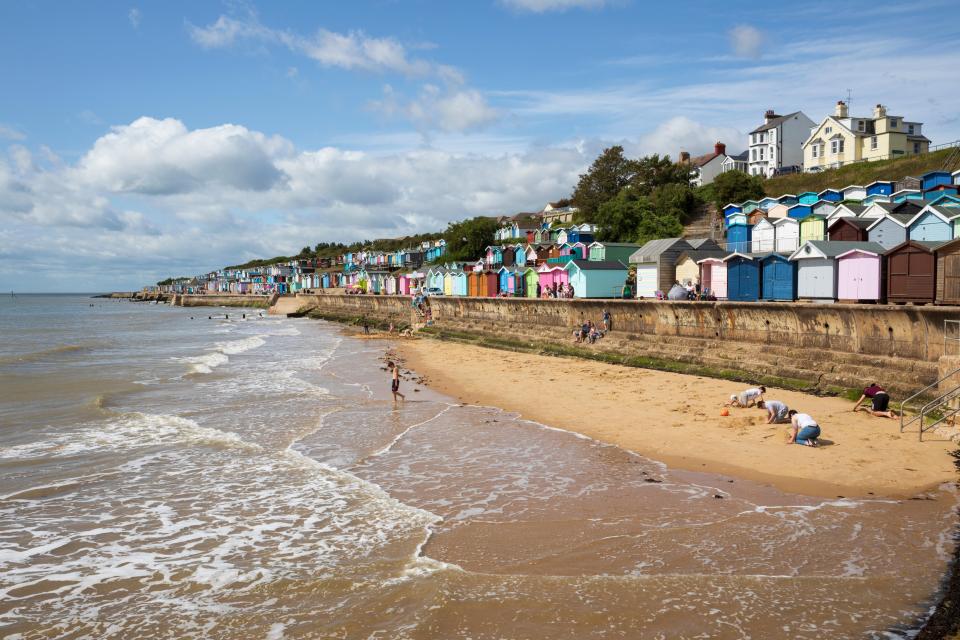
[[140, 140]]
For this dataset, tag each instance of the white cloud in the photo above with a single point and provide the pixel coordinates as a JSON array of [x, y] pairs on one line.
[[11, 133], [451, 108], [746, 41], [543, 6], [135, 17], [681, 133]]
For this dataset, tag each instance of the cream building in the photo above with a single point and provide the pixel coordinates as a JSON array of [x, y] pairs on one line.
[[843, 139]]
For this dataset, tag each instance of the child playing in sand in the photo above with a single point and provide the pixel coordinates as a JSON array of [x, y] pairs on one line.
[[803, 430], [395, 383], [776, 411], [747, 398]]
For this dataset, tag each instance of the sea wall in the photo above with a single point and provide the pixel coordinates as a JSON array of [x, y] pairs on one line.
[[875, 330], [261, 302]]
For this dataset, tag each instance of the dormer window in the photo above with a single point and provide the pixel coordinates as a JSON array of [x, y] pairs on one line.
[[861, 125], [893, 123], [910, 129], [828, 130]]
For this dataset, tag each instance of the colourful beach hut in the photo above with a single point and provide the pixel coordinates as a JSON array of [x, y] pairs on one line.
[[743, 277], [596, 279], [778, 210], [808, 197], [551, 274], [799, 211], [510, 281], [830, 195], [912, 272], [854, 192], [932, 224], [906, 194], [688, 264], [601, 251], [933, 179], [779, 277], [713, 277], [879, 187], [656, 264], [739, 236], [530, 281], [848, 229], [813, 227], [766, 203], [889, 230], [817, 266], [859, 275]]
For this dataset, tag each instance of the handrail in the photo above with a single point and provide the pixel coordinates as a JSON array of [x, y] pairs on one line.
[[903, 403], [938, 402]]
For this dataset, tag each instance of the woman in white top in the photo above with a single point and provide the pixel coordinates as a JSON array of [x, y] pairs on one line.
[[803, 430]]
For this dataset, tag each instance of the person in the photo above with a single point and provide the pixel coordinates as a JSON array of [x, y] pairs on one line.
[[539, 289], [776, 411], [747, 398], [803, 430], [366, 327], [880, 402], [395, 382], [606, 320], [584, 331]]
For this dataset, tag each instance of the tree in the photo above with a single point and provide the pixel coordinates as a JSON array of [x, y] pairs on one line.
[[466, 240], [678, 199], [656, 224], [735, 186], [618, 219], [653, 171], [605, 178]]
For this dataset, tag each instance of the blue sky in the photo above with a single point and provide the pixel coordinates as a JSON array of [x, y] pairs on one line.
[[146, 139]]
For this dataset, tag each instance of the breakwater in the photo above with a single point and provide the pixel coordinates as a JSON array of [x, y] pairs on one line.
[[823, 347]]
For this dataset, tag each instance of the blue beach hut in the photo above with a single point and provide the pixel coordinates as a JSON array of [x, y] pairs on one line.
[[931, 179], [779, 278], [743, 277], [808, 197], [739, 235], [932, 224], [788, 199], [880, 188], [831, 195], [798, 211]]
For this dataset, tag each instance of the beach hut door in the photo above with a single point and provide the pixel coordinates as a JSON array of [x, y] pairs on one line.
[[951, 277], [646, 280]]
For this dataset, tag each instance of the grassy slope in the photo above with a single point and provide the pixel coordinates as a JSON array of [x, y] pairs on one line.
[[861, 173]]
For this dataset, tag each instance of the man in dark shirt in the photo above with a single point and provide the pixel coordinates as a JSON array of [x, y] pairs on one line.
[[880, 401]]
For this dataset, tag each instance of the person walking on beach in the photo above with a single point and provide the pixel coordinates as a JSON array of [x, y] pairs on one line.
[[606, 320], [395, 381], [747, 398], [880, 401], [776, 411], [803, 430]]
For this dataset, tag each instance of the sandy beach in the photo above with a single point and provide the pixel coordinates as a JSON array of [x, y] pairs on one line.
[[676, 419]]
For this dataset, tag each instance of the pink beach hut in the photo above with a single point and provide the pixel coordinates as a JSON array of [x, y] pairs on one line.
[[551, 274], [713, 277], [859, 276]]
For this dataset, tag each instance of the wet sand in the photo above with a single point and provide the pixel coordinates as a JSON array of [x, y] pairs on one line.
[[676, 419]]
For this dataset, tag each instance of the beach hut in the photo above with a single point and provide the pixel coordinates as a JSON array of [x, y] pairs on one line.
[[817, 266], [688, 264], [448, 283], [889, 230], [494, 257], [906, 194], [713, 277], [602, 251], [743, 277], [507, 256], [945, 200], [731, 208], [788, 199], [875, 198], [956, 176], [739, 235], [786, 235], [778, 210], [912, 272], [530, 281], [656, 265], [510, 281], [764, 237], [737, 217], [879, 187], [808, 197], [779, 277], [813, 227], [704, 244], [460, 282], [948, 273], [854, 192], [823, 208], [933, 179], [799, 211], [859, 275], [766, 203], [845, 210], [932, 224], [756, 216], [596, 279], [552, 274], [749, 206], [848, 229], [830, 195]]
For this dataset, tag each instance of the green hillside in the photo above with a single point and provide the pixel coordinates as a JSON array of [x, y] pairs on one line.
[[861, 173]]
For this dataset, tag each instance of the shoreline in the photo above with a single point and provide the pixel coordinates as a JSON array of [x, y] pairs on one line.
[[681, 423]]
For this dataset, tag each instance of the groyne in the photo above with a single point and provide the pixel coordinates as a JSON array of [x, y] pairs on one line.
[[820, 347]]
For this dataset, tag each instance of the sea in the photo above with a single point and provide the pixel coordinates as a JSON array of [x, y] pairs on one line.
[[198, 472]]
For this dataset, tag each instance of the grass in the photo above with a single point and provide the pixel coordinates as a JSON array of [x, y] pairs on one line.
[[861, 173]]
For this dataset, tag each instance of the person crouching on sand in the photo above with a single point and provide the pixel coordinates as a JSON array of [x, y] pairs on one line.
[[395, 383], [803, 429], [747, 398], [879, 399], [776, 411]]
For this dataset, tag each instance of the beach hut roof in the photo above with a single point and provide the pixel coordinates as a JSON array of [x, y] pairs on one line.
[[614, 244], [859, 223], [702, 243], [780, 221], [846, 253], [927, 245], [737, 254], [598, 265], [652, 250], [855, 209], [699, 255], [832, 249], [766, 222], [880, 182], [828, 190]]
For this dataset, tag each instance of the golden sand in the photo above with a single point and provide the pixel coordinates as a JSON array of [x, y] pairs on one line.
[[676, 419]]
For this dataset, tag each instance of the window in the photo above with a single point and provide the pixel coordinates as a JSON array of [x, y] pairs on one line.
[[873, 142], [762, 149], [893, 123], [754, 155], [861, 125], [815, 150], [916, 147], [910, 129], [836, 146]]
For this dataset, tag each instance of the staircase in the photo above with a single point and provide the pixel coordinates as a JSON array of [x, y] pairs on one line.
[[937, 414], [702, 224]]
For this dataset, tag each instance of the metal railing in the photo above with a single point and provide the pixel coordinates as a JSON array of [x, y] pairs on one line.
[[930, 406]]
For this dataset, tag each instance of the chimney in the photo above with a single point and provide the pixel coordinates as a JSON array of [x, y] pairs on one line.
[[841, 111], [720, 149], [768, 116], [684, 157], [879, 111]]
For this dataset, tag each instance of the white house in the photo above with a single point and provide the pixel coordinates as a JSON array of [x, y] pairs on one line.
[[777, 143], [703, 169], [738, 162]]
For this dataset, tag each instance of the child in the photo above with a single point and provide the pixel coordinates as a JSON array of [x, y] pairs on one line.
[[395, 384]]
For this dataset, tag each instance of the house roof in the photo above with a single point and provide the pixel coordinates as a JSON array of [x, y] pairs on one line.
[[705, 159], [702, 243], [832, 249], [599, 265], [776, 122], [740, 157], [651, 251]]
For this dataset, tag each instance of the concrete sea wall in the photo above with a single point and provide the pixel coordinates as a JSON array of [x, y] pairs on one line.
[[254, 301]]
